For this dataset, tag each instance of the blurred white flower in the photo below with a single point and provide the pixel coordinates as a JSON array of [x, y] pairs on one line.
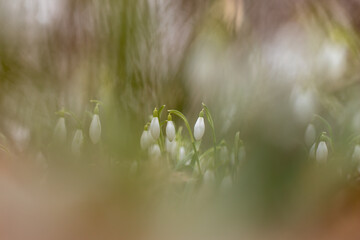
[[304, 105], [356, 154], [170, 130], [155, 128], [331, 60], [154, 151], [209, 177], [199, 128], [310, 135], [226, 183], [356, 122], [77, 141], [95, 129], [242, 154], [146, 139], [224, 154], [60, 132], [321, 152], [182, 153], [171, 147]]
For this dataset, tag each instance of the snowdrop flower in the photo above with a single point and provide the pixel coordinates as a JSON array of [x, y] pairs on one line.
[[95, 129], [356, 154], [60, 130], [304, 105], [226, 183], [155, 125], [170, 129], [209, 177], [154, 151], [77, 141], [224, 154], [310, 135], [146, 139], [332, 59], [171, 147], [321, 152], [199, 128], [182, 153]]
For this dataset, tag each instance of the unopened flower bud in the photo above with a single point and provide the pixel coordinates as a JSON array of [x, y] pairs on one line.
[[155, 125], [199, 128], [170, 129]]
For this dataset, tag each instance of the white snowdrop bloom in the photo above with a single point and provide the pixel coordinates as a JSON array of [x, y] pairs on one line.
[[199, 128], [332, 59], [95, 129], [321, 152], [155, 128], [312, 151], [310, 135], [224, 154], [356, 154], [146, 139], [226, 183], [77, 141], [209, 177], [242, 154], [303, 105], [171, 147], [182, 153], [170, 130], [60, 133], [154, 151]]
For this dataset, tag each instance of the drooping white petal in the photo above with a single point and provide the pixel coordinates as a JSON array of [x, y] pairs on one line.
[[60, 133], [171, 147], [199, 128], [145, 139], [95, 129], [170, 130], [182, 153], [77, 141], [154, 151], [310, 135], [155, 128], [321, 152]]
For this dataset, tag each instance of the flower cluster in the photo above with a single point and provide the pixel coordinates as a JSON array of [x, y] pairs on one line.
[[162, 140], [60, 132]]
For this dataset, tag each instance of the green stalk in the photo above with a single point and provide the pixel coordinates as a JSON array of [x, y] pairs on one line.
[[211, 122]]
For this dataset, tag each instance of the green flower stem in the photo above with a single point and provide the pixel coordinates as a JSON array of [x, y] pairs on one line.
[[161, 139], [211, 122], [179, 114]]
